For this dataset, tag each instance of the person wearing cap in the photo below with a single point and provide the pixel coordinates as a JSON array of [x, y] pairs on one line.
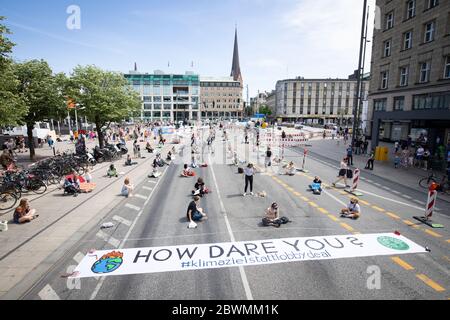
[[353, 210], [272, 216]]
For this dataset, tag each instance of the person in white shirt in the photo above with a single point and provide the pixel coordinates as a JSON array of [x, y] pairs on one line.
[[342, 172], [353, 210], [249, 171]]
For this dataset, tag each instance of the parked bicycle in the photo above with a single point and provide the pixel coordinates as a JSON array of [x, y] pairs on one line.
[[442, 182]]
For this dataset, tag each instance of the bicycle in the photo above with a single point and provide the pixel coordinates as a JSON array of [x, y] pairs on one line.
[[444, 185], [7, 200]]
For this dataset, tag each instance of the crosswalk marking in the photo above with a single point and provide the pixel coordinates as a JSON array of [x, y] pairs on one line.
[[132, 207], [140, 196], [112, 241], [147, 188], [122, 220], [47, 293], [151, 181]]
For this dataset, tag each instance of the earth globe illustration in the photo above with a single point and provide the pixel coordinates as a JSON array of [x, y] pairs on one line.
[[108, 262]]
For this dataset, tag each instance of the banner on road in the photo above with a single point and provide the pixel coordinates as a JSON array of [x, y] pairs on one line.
[[244, 253]]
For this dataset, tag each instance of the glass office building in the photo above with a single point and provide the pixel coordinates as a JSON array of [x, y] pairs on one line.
[[167, 97]]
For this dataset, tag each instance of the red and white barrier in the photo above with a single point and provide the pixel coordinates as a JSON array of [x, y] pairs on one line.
[[355, 179], [431, 202]]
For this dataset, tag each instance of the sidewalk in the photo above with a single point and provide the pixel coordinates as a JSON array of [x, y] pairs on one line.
[[384, 169]]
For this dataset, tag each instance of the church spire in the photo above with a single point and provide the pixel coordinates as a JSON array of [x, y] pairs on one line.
[[236, 68], [135, 66]]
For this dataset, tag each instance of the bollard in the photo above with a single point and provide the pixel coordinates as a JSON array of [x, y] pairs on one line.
[[431, 203], [353, 190]]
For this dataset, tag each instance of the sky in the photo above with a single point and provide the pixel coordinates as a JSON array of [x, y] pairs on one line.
[[278, 39]]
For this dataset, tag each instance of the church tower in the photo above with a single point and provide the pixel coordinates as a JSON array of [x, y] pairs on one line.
[[236, 68]]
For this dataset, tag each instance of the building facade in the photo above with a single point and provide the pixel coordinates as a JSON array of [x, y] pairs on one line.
[[317, 101], [410, 87], [167, 97], [221, 98]]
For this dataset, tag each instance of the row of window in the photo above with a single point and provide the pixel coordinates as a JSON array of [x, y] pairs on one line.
[[440, 100], [224, 94], [409, 12], [220, 84], [325, 86], [324, 111], [158, 106], [423, 77], [168, 99]]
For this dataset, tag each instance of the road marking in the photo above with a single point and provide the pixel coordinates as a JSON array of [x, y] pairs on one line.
[[368, 180], [140, 196], [402, 263], [377, 184], [406, 196], [430, 282], [362, 178], [290, 189], [392, 215], [151, 181], [78, 257], [343, 192], [364, 202], [332, 217], [434, 234], [378, 209], [47, 293], [147, 188], [112, 241], [304, 198], [396, 192], [323, 210], [392, 200], [411, 224], [122, 220], [124, 240], [418, 201], [297, 193], [346, 226], [132, 207], [245, 283], [313, 204], [387, 188]]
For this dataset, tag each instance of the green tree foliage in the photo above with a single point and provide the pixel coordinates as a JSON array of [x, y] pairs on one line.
[[103, 97], [41, 92], [264, 109], [12, 107]]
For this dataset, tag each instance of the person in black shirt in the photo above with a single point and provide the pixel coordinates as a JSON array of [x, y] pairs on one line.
[[268, 159], [199, 188], [193, 212]]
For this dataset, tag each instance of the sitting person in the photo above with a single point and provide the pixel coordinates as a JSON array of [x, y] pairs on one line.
[[187, 172], [127, 188], [353, 210], [154, 173], [290, 169], [129, 162], [316, 185], [272, 217], [170, 156], [72, 185], [199, 188], [194, 213], [112, 171], [149, 147], [24, 213]]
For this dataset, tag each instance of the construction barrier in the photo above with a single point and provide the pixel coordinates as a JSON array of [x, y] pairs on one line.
[[353, 190], [431, 203]]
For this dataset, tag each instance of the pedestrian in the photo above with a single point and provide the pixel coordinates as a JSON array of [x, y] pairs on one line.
[[268, 159], [127, 188], [283, 135], [396, 146], [249, 171], [353, 210], [426, 159], [370, 161], [419, 156], [194, 213], [397, 160], [350, 154], [24, 213], [193, 163], [342, 175]]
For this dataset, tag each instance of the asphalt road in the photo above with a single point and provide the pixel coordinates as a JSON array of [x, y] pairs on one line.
[[156, 217]]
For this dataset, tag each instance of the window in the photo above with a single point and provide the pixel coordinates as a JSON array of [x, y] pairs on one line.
[[379, 105], [407, 40], [404, 73], [399, 103], [147, 106], [157, 106], [387, 48], [384, 79], [447, 67], [410, 9], [389, 20], [425, 72], [438, 100], [432, 3], [429, 31], [156, 99], [147, 99]]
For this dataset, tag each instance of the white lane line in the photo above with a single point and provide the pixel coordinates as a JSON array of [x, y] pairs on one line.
[[418, 201], [244, 279], [140, 196], [122, 220], [368, 180], [389, 199], [151, 181], [406, 196], [147, 188], [396, 192], [47, 293], [377, 184], [78, 257], [362, 178], [132, 207], [112, 241], [386, 188], [124, 240]]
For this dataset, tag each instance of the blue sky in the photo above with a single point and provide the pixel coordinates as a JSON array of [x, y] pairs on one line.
[[277, 38]]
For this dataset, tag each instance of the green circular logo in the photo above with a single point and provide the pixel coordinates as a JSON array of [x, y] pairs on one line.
[[393, 243]]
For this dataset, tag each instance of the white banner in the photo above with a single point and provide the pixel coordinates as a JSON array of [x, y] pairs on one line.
[[245, 253]]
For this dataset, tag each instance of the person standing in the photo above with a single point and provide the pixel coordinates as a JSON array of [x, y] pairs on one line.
[[249, 171], [350, 154], [342, 172], [426, 159], [268, 159], [370, 161], [419, 156]]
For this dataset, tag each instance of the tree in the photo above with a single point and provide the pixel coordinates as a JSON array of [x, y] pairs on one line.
[[40, 91], [264, 109], [103, 97], [12, 107]]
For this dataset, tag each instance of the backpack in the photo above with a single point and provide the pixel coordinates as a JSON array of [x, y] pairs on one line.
[[240, 170], [349, 174], [284, 220]]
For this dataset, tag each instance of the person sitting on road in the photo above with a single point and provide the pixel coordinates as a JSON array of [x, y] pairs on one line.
[[129, 162], [187, 172], [170, 156], [194, 213], [316, 185], [72, 185], [24, 213], [272, 216], [353, 210], [290, 169], [112, 171], [127, 188], [199, 188], [149, 147]]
